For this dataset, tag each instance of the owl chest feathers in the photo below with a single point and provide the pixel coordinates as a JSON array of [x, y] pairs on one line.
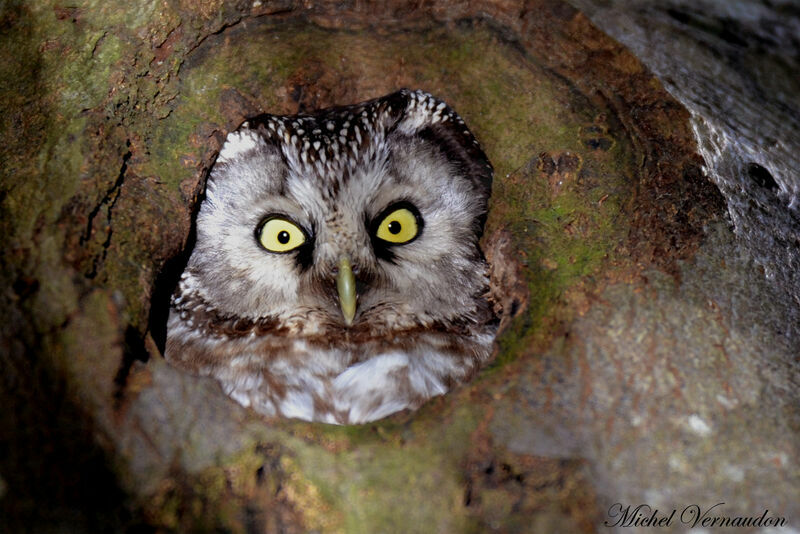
[[332, 378]]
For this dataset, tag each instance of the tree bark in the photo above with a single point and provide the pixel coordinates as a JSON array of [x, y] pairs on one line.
[[624, 297]]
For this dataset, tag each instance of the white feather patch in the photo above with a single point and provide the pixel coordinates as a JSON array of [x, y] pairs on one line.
[[237, 143], [362, 389]]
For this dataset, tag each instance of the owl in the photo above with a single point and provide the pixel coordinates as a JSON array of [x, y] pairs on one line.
[[336, 274]]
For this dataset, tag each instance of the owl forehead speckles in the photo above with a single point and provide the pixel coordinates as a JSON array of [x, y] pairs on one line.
[[337, 139], [336, 274]]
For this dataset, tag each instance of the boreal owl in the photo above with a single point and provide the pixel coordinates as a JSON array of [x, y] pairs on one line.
[[336, 274]]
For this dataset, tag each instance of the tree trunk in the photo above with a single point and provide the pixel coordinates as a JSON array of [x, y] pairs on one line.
[[639, 356]]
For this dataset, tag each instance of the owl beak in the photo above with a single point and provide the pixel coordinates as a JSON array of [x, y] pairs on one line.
[[346, 286]]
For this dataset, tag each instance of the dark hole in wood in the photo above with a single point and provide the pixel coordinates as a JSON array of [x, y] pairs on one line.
[[761, 176]]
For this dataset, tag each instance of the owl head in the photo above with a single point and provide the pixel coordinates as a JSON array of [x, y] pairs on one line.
[[364, 219]]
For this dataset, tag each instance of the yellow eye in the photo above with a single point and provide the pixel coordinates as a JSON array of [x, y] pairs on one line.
[[280, 235], [400, 226]]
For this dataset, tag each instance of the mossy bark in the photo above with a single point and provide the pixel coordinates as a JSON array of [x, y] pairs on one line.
[[112, 116]]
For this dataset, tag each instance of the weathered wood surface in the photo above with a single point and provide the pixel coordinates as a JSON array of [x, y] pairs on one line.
[[640, 358]]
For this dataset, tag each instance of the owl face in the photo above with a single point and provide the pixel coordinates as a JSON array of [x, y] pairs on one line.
[[293, 203], [336, 274]]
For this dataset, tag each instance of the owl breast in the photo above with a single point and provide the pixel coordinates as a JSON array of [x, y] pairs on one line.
[[337, 275]]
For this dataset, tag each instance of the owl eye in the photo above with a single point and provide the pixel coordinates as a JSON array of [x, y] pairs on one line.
[[400, 224], [278, 234]]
